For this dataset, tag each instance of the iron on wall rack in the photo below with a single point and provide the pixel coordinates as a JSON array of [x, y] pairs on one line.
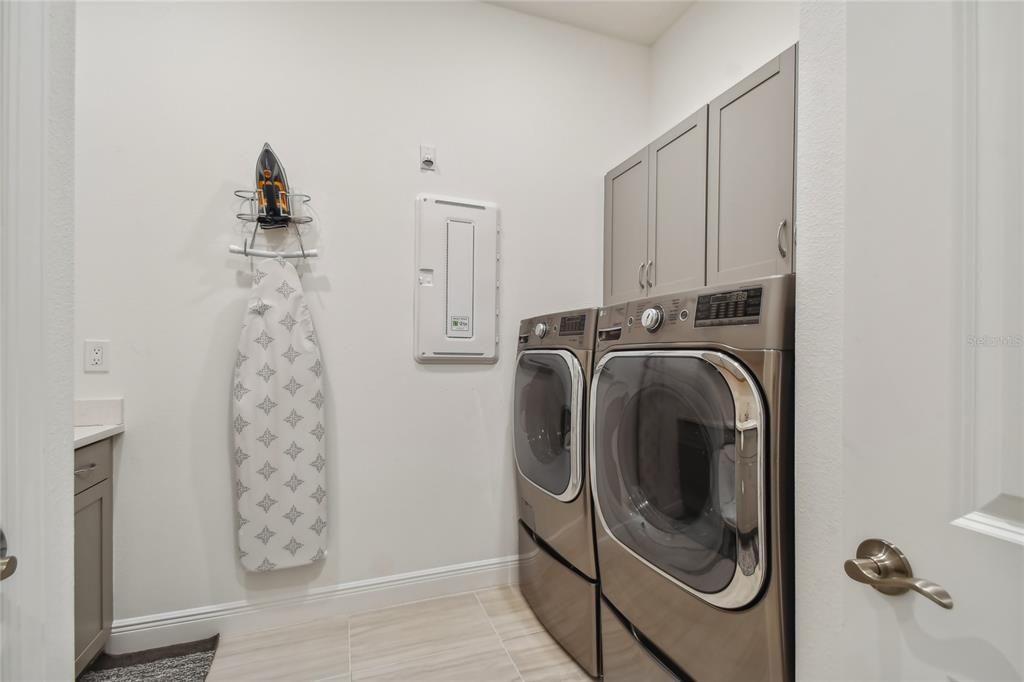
[[272, 207]]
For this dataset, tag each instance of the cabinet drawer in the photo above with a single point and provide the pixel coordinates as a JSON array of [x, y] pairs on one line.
[[93, 463]]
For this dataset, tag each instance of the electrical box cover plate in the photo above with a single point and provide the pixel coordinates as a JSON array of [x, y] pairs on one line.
[[456, 284]]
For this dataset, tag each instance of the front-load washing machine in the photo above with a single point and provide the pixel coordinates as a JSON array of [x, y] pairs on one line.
[[691, 429], [557, 567]]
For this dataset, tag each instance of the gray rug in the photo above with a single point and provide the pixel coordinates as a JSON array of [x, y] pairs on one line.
[[188, 662]]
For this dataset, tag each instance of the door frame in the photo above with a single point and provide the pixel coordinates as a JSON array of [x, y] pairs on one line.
[[37, 52]]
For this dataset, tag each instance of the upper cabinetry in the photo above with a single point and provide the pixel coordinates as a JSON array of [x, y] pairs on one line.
[[678, 191], [750, 175], [654, 215], [710, 201], [625, 229]]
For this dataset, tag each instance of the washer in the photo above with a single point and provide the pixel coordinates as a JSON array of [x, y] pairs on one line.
[[691, 422], [557, 565]]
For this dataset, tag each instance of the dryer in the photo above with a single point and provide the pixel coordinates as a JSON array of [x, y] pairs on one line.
[[557, 566], [690, 427]]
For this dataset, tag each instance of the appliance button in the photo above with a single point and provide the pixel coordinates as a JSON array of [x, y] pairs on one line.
[[541, 330], [652, 318], [683, 314]]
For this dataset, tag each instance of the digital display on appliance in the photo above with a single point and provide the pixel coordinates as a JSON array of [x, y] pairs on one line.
[[742, 306], [729, 297], [572, 325]]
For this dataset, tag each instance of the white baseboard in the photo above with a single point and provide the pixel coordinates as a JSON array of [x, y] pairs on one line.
[[173, 627]]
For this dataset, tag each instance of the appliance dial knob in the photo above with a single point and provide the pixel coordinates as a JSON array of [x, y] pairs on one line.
[[541, 330], [652, 318]]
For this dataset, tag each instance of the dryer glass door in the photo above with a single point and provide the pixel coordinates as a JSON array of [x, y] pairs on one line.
[[677, 466], [548, 421]]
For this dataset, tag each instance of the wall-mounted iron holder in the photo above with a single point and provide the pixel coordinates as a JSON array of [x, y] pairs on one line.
[[253, 216], [271, 208]]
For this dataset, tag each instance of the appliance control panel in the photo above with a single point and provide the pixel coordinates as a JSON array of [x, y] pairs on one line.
[[753, 314], [740, 306], [574, 329]]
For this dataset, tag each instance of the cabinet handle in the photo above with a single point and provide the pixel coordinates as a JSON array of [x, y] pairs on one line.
[[640, 275], [650, 265], [778, 239], [81, 471]]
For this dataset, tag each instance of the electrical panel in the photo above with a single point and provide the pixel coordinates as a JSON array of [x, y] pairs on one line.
[[456, 304]]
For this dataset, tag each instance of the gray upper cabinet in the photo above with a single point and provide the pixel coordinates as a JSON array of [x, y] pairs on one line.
[[750, 175], [625, 229], [678, 192]]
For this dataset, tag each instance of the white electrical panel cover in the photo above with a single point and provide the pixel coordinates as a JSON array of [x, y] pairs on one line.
[[456, 313]]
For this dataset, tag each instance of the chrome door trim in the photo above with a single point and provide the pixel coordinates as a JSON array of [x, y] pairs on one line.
[[747, 580], [575, 455]]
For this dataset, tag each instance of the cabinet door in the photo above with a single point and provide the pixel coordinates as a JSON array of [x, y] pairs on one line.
[[625, 230], [750, 175], [94, 552], [678, 195]]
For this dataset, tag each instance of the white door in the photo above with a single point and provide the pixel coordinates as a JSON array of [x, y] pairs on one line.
[[910, 390], [36, 461]]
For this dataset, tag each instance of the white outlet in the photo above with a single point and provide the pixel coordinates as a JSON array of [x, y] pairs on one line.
[[97, 355]]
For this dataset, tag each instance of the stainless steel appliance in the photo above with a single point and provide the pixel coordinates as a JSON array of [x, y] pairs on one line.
[[557, 567], [691, 449]]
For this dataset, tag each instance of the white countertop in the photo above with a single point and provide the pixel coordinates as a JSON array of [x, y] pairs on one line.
[[87, 435]]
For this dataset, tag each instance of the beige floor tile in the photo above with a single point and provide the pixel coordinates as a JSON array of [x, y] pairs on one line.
[[408, 641], [509, 612], [539, 658], [462, 664], [312, 651]]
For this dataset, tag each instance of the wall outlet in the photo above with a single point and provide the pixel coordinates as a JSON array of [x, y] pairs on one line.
[[97, 355]]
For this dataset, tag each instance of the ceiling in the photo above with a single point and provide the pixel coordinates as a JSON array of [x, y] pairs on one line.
[[638, 21]]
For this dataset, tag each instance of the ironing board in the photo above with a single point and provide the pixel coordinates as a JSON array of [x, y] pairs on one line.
[[278, 427]]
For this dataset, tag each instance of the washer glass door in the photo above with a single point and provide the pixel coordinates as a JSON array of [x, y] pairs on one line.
[[548, 414], [677, 465]]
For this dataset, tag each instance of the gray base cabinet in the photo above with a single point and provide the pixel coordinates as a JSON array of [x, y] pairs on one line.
[[751, 175], [94, 551]]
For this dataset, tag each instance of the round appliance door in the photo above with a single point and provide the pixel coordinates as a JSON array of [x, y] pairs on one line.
[[677, 466], [548, 421]]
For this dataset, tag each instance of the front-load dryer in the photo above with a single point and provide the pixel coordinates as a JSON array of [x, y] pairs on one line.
[[691, 450], [557, 566]]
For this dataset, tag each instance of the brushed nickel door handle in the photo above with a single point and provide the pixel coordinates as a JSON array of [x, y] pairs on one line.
[[640, 275], [883, 566], [650, 266], [81, 471], [778, 239], [8, 564]]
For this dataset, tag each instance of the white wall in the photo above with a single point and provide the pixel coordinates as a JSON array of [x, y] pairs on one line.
[[709, 49], [174, 102]]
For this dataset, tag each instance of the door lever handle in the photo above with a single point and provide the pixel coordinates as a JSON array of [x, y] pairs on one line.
[[8, 562], [883, 566]]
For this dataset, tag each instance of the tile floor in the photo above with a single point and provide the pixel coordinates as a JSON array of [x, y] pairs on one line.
[[477, 636]]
